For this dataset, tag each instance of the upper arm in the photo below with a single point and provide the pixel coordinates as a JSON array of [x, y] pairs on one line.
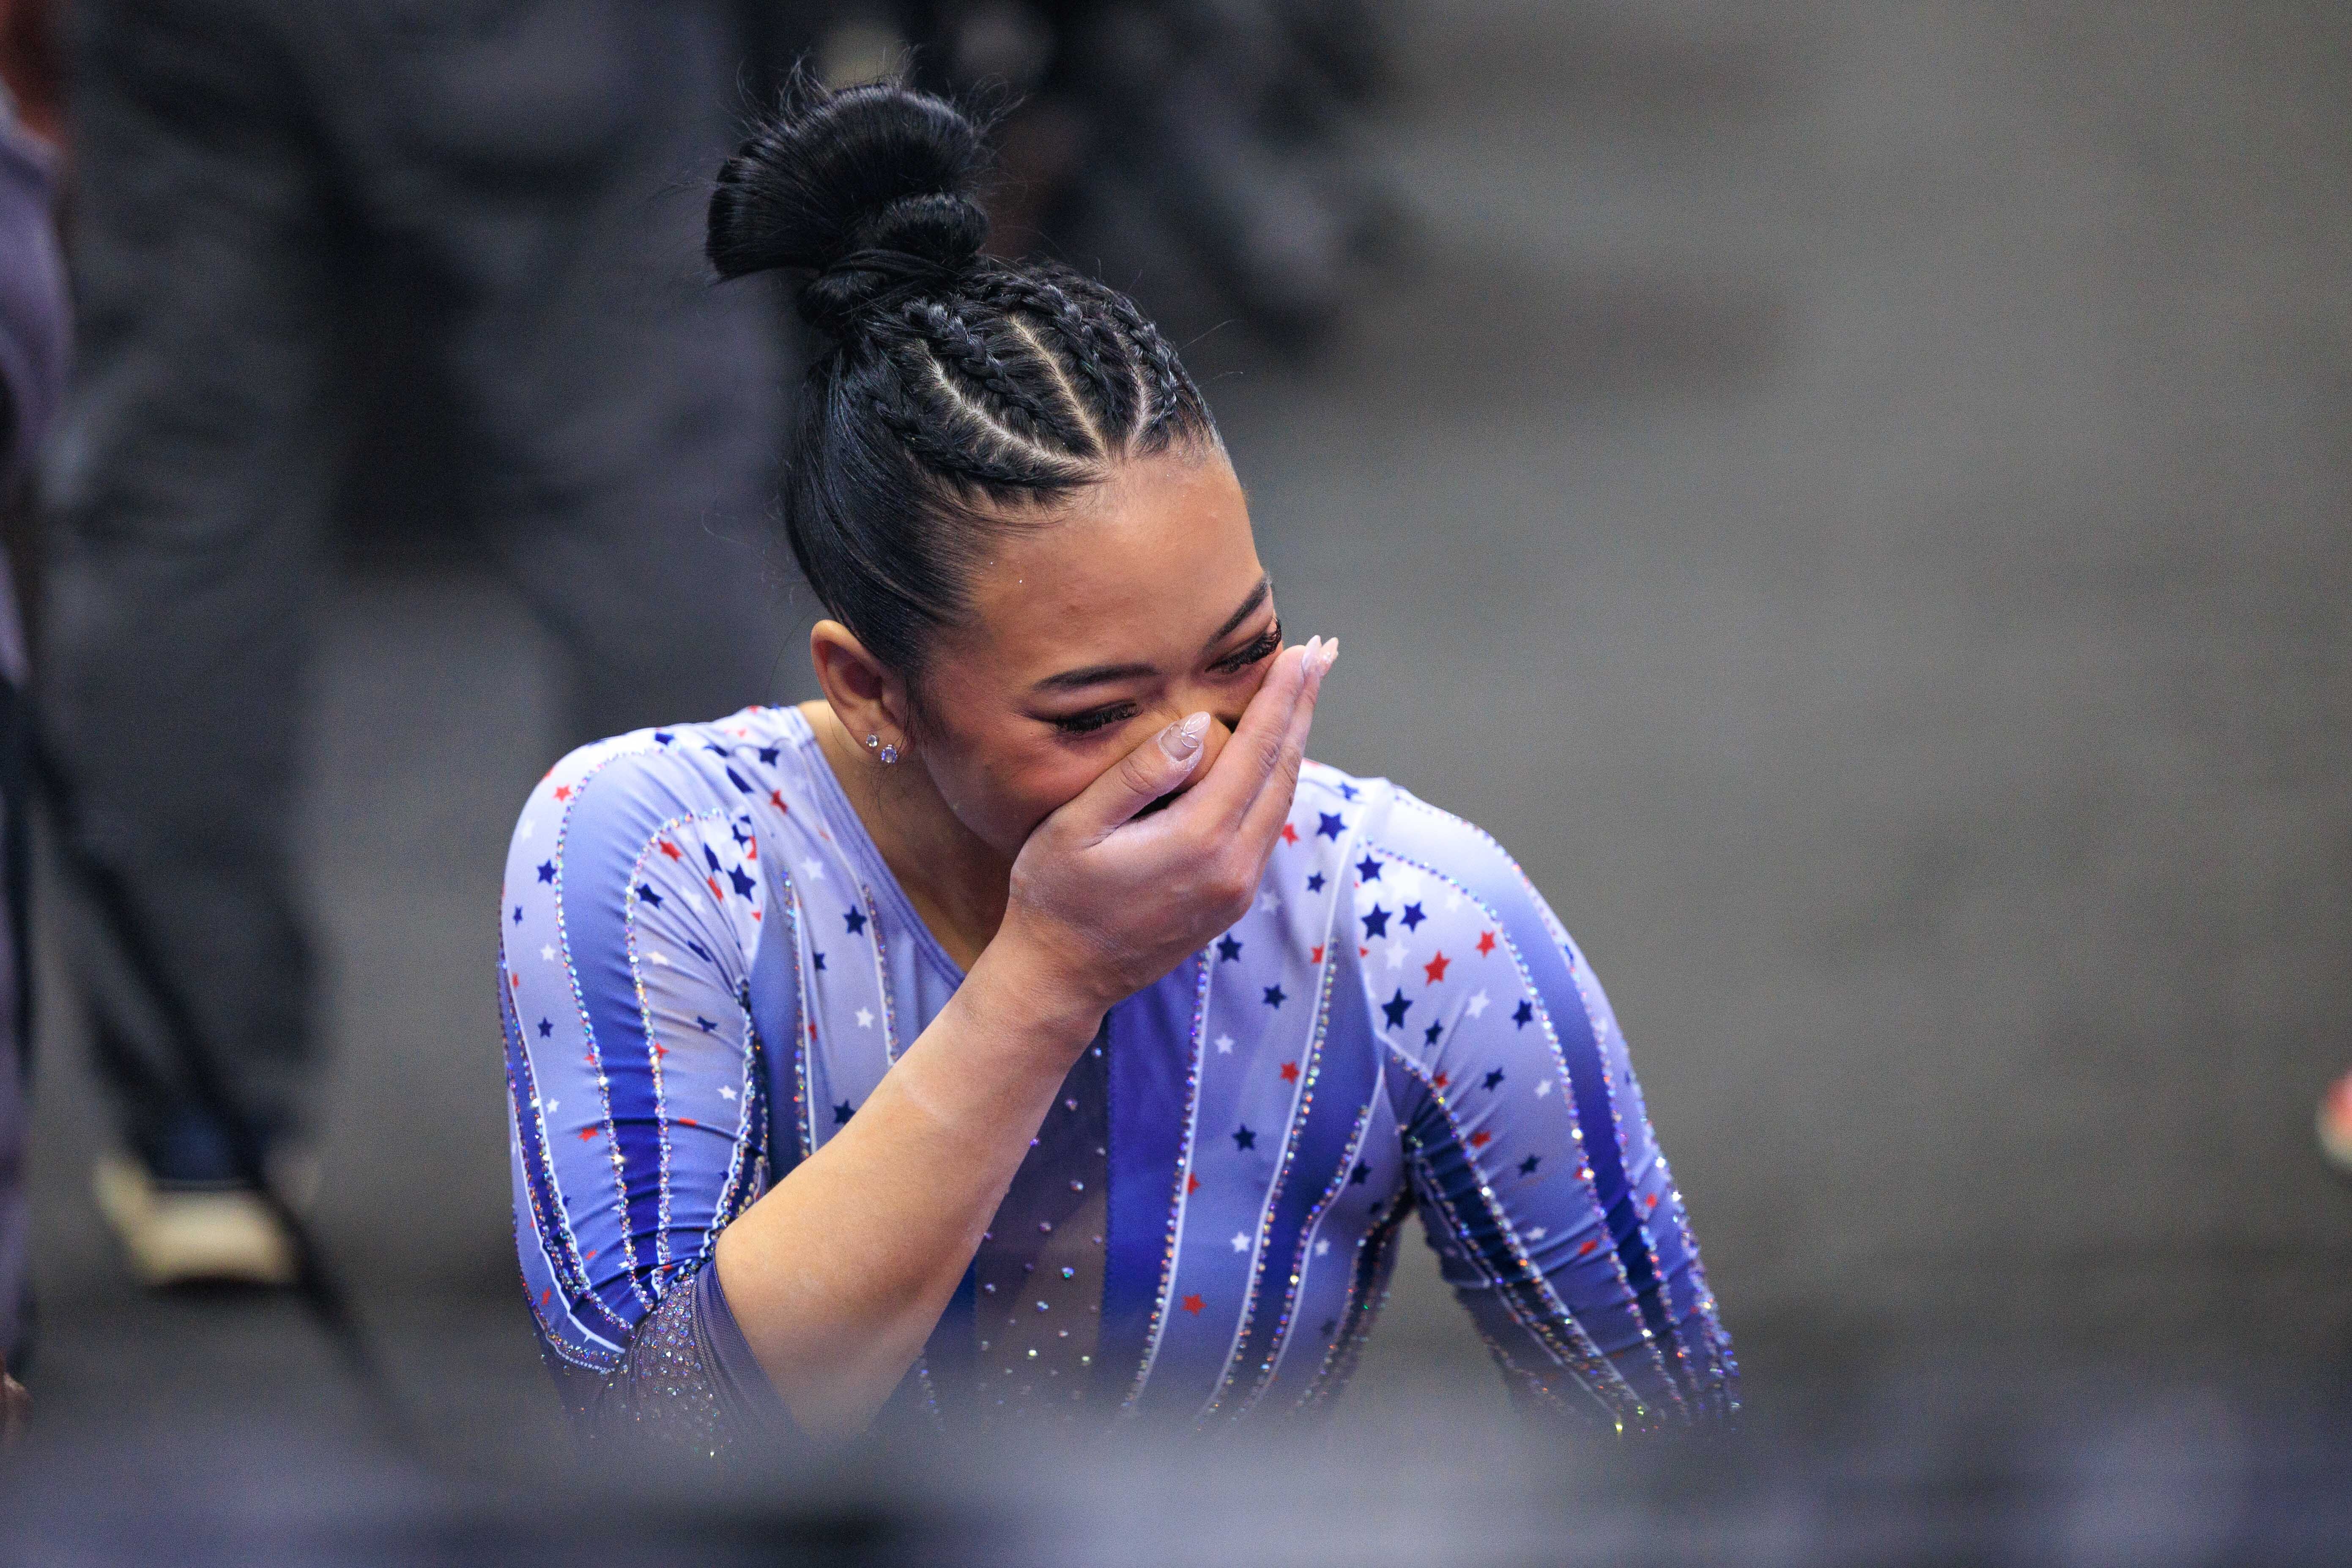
[[1542, 1183], [633, 905]]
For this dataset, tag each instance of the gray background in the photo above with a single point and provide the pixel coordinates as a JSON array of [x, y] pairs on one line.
[[1856, 497]]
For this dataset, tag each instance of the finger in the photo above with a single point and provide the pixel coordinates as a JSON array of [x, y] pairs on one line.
[[1266, 813], [1250, 756], [1138, 779]]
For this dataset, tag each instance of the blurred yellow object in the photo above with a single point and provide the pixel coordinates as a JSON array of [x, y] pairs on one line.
[[175, 1237], [2335, 1124]]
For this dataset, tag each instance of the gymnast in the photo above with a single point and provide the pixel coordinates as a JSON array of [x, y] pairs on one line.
[[1025, 1031]]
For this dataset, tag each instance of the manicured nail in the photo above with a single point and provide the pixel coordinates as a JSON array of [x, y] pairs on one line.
[[1329, 654], [1182, 741]]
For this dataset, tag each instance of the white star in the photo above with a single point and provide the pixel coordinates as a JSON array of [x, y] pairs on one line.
[[1454, 900], [659, 958], [1241, 1242], [726, 1094], [1322, 1247], [814, 869], [1396, 955], [1273, 900], [1224, 1045], [1478, 1004], [866, 1017], [526, 829], [1537, 1234], [551, 1106], [548, 954], [1543, 1087]]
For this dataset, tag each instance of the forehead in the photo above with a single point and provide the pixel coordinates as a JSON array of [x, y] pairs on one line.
[[1147, 565]]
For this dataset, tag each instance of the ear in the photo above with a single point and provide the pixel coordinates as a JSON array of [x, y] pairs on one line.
[[864, 695]]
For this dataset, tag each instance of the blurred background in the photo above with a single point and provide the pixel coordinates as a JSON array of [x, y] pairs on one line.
[[1855, 496]]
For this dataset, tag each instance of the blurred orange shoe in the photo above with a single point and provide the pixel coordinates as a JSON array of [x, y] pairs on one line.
[[2335, 1124]]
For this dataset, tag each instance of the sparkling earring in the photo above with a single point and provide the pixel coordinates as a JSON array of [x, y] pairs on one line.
[[889, 754], [872, 742]]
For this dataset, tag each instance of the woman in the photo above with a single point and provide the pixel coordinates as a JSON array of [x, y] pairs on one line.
[[1025, 1028]]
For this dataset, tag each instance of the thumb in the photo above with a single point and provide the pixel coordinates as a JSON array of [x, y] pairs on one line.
[[1139, 778]]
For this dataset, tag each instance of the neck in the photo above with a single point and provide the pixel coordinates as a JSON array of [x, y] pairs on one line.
[[957, 884]]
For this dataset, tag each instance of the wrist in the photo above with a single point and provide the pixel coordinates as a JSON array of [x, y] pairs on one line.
[[1018, 982]]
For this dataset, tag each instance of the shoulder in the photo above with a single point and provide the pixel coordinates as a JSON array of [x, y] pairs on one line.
[[1391, 823]]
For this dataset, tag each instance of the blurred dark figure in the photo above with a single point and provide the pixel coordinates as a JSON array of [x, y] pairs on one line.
[[1235, 122], [34, 337], [510, 192]]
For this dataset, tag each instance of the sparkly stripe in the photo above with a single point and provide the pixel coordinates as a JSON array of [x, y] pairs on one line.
[[629, 1277], [1254, 1340], [1308, 1236], [1496, 1250], [803, 1102], [662, 1258], [1167, 1269], [882, 978], [565, 1270], [1603, 1170], [1367, 1290], [747, 1162]]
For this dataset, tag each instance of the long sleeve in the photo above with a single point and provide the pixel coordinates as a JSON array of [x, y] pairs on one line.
[[633, 909], [1527, 1145]]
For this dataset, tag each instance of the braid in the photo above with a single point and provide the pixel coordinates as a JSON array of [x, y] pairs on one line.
[[924, 437], [1027, 414], [1088, 341], [1173, 390]]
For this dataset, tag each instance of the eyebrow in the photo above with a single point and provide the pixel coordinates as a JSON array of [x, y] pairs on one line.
[[1104, 674]]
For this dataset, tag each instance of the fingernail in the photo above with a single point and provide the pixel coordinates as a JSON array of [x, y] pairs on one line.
[[1182, 741], [1330, 654]]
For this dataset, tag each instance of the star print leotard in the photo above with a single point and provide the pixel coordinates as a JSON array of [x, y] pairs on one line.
[[705, 968]]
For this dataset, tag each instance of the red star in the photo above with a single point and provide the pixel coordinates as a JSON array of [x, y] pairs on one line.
[[660, 1050], [751, 850], [563, 791], [755, 915], [1289, 833], [687, 1121], [1485, 943], [670, 849], [1192, 1185], [812, 1031], [1314, 957], [1587, 1246], [1363, 953], [1480, 1140], [1439, 1082], [714, 888], [776, 799], [1436, 968], [1192, 1303], [545, 1297], [1652, 1201], [586, 1133], [514, 980], [1290, 1072]]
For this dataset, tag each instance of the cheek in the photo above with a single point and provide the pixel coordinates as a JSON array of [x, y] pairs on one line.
[[1002, 796]]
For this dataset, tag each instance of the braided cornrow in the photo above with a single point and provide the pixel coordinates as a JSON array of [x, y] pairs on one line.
[[950, 393]]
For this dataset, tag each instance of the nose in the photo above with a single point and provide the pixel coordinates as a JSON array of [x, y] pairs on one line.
[[1213, 744]]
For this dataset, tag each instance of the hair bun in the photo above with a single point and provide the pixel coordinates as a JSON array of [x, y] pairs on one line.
[[869, 190]]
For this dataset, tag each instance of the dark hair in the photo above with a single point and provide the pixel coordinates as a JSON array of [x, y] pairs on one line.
[[955, 394]]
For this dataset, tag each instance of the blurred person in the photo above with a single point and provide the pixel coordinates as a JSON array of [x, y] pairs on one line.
[[1026, 1030], [34, 342], [250, 173]]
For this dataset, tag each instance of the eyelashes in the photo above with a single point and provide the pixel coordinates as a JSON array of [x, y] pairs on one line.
[[1256, 651]]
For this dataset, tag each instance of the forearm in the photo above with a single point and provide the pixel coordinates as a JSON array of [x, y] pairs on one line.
[[838, 1276]]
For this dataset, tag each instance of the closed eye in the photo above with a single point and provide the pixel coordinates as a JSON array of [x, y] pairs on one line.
[[1263, 648], [1094, 718]]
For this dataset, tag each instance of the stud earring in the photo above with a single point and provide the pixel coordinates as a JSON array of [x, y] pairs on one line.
[[890, 755], [872, 742]]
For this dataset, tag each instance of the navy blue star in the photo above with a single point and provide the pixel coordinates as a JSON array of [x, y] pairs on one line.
[[649, 895], [1330, 826], [1315, 883], [662, 737], [1494, 1078], [1368, 869], [736, 829], [1433, 1031], [1244, 1138], [547, 870], [1525, 1016], [714, 751], [1350, 791], [854, 920], [1528, 1166], [819, 959], [1396, 1008], [1413, 917], [706, 1025], [518, 915], [1228, 947], [768, 754], [743, 885], [1274, 997], [1356, 1177], [699, 951], [712, 855], [843, 1113], [545, 1028], [1376, 924], [1375, 1210]]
